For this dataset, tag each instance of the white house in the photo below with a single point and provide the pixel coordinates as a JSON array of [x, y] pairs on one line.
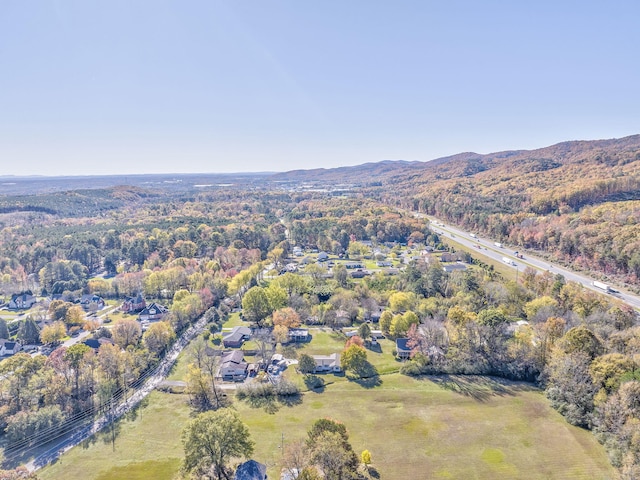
[[327, 363], [8, 347]]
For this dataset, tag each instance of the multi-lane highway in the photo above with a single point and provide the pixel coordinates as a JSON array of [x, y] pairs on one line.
[[488, 248]]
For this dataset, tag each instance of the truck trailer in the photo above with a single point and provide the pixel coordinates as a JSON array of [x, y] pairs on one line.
[[602, 286]]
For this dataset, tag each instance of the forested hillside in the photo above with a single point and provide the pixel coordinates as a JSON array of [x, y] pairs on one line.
[[575, 201]]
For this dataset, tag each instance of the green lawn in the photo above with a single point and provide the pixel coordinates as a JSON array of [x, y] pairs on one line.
[[146, 447], [445, 427], [464, 428], [234, 320], [459, 427]]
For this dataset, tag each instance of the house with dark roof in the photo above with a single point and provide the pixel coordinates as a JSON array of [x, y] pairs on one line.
[[96, 343], [251, 470], [153, 312], [403, 350], [22, 301], [236, 337], [9, 347], [232, 366], [133, 304], [91, 302]]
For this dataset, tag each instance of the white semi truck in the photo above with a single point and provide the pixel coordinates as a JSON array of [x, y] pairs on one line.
[[602, 286], [508, 261]]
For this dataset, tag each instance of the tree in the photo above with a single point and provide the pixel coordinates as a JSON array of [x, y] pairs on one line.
[[277, 297], [286, 317], [353, 358], [570, 387], [4, 330], [365, 456], [212, 439], [280, 334], [255, 304], [385, 321], [53, 333], [306, 364], [74, 316], [29, 332], [329, 448], [581, 339], [126, 332], [401, 301], [75, 356], [158, 337], [364, 331], [491, 317]]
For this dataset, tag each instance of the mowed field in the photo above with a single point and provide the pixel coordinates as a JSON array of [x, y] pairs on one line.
[[443, 427]]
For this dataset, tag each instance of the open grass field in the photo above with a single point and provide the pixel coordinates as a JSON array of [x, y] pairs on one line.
[[147, 446], [446, 427]]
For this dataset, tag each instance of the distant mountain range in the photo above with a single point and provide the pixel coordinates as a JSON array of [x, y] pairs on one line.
[[603, 154]]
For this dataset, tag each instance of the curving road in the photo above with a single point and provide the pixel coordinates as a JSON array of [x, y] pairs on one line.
[[489, 249]]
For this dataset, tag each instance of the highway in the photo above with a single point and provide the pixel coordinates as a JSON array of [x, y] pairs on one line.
[[489, 249]]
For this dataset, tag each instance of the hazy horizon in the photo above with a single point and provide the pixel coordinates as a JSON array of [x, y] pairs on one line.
[[227, 87]]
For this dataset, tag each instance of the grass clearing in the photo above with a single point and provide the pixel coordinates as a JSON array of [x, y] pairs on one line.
[[442, 427], [147, 446]]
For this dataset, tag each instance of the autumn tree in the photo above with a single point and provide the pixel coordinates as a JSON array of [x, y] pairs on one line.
[[211, 440], [354, 359], [330, 450], [126, 332], [286, 317], [53, 333], [158, 337]]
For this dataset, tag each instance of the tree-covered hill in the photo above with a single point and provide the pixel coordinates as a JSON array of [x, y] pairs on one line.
[[577, 201]]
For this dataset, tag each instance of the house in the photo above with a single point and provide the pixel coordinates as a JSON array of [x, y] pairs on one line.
[[327, 363], [377, 334], [299, 335], [133, 304], [8, 347], [251, 470], [96, 343], [232, 366], [402, 348], [153, 312], [358, 274], [236, 337], [22, 301], [448, 257], [91, 302], [323, 256], [353, 265], [384, 263], [454, 267]]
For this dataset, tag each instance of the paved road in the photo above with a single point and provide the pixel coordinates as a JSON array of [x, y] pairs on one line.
[[152, 382], [488, 248]]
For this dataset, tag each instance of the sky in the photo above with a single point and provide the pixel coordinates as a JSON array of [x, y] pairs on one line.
[[205, 86]]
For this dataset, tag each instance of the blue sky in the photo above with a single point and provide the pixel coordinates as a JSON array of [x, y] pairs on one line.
[[109, 87]]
